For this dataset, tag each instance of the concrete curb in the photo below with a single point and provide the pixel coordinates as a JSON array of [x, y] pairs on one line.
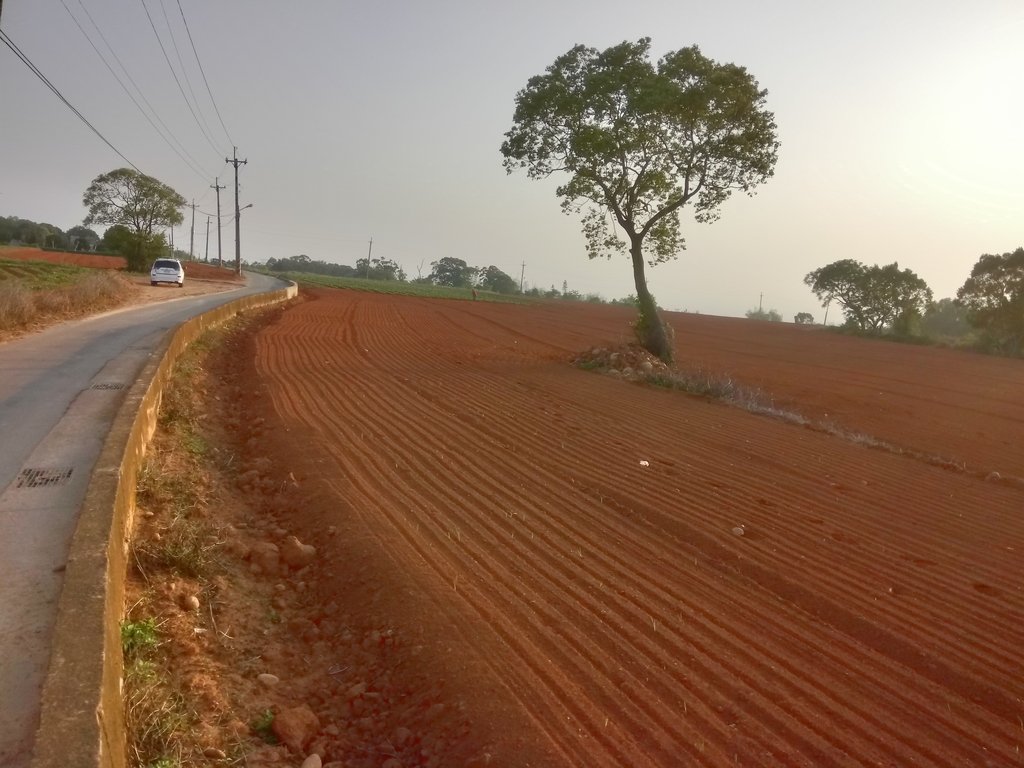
[[81, 719]]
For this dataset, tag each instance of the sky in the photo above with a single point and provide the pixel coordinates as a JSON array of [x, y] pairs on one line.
[[900, 124]]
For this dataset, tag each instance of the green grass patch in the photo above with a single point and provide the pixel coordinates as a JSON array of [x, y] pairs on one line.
[[137, 637], [41, 275], [262, 726], [399, 288]]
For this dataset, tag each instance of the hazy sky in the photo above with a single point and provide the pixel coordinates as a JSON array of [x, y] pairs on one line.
[[900, 122]]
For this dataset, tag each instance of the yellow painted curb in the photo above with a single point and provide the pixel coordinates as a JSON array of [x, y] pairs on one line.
[[81, 718]]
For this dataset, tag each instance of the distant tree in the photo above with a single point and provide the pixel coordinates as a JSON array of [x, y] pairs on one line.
[[768, 315], [873, 298], [54, 237], [138, 202], [303, 263], [82, 239], [803, 318], [639, 142], [994, 298], [30, 233], [117, 239], [451, 272], [493, 279], [380, 269], [626, 301], [15, 230], [945, 318]]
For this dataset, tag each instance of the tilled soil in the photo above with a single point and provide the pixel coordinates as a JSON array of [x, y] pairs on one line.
[[577, 569]]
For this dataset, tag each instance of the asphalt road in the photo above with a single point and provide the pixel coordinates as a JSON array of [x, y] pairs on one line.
[[59, 392]]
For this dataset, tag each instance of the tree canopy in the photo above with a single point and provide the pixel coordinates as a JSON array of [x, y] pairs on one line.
[[994, 298], [766, 315], [452, 272], [873, 298], [494, 279], [82, 238], [380, 269], [639, 142], [13, 229], [138, 202]]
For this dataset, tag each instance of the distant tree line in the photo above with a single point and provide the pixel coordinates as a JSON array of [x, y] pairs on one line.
[[887, 300], [448, 271], [16, 231]]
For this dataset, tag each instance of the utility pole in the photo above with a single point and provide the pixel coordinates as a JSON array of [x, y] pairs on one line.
[[760, 302], [368, 259], [217, 185], [238, 230], [522, 274], [192, 233], [206, 257]]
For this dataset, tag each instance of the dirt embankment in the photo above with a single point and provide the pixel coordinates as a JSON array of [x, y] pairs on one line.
[[602, 573]]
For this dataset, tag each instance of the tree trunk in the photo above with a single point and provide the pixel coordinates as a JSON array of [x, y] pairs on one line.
[[649, 327]]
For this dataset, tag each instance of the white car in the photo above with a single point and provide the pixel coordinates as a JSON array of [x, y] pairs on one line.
[[167, 271]]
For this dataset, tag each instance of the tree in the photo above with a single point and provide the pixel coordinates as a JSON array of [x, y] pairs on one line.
[[83, 239], [873, 298], [493, 279], [117, 239], [639, 142], [135, 201], [768, 315], [803, 318], [945, 318], [994, 298], [54, 237], [380, 269], [452, 272]]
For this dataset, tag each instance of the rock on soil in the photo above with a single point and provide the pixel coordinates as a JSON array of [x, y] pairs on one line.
[[265, 556], [296, 554], [296, 727]]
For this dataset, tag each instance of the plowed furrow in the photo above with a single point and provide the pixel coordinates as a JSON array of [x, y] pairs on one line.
[[622, 600], [634, 619]]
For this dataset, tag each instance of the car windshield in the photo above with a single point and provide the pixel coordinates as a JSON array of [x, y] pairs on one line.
[[165, 264]]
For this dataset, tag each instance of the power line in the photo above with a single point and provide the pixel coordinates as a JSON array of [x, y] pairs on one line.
[[175, 75], [193, 165], [35, 70], [141, 93], [203, 72], [184, 72]]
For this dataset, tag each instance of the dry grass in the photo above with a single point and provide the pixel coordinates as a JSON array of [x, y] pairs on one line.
[[156, 717], [22, 305], [179, 547], [17, 304]]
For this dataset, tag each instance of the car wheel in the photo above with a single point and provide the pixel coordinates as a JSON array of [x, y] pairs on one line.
[[181, 285], [152, 282]]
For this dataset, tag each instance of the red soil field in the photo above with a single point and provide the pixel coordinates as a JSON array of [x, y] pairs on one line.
[[606, 573], [193, 269]]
